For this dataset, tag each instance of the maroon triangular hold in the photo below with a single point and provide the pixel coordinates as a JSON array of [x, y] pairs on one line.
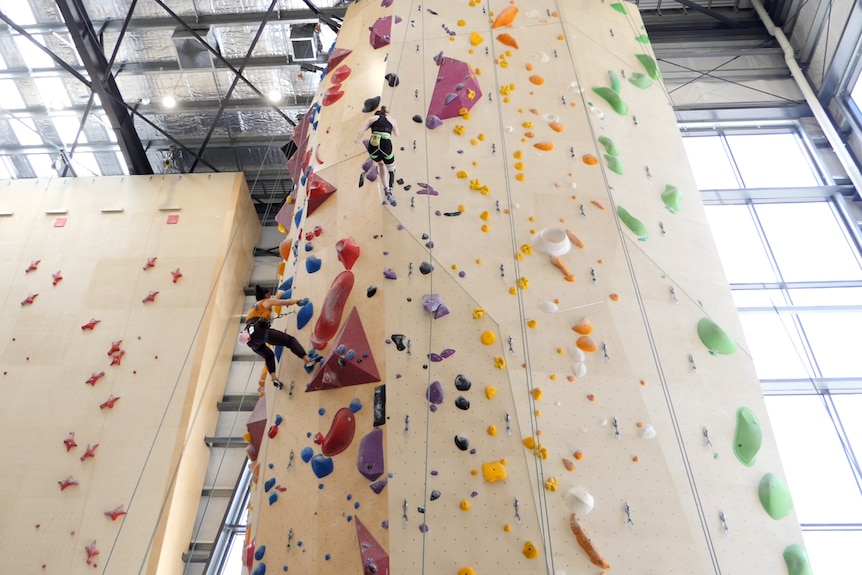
[[319, 190], [338, 371], [337, 55], [375, 559], [256, 424]]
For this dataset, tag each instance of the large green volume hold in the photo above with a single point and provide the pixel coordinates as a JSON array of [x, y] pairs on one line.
[[748, 436], [714, 338], [774, 496], [797, 560], [634, 224]]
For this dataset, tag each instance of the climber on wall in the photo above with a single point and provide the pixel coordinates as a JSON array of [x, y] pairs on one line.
[[383, 127], [260, 333]]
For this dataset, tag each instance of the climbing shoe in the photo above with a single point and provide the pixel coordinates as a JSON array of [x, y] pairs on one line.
[[390, 198]]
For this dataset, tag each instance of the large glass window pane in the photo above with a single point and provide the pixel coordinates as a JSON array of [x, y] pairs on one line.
[[833, 552], [818, 474], [849, 410], [10, 97], [739, 245], [758, 298], [771, 160], [710, 164], [831, 336], [775, 346], [808, 242], [25, 131], [827, 296]]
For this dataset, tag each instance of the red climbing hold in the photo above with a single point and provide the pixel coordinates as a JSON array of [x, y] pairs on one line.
[[29, 299], [340, 433], [117, 358], [95, 377], [115, 513], [90, 452], [34, 265], [348, 252], [92, 552], [340, 74], [90, 324], [150, 296], [70, 441], [58, 277], [151, 262], [68, 482], [177, 274], [332, 95], [115, 347], [109, 403], [332, 309]]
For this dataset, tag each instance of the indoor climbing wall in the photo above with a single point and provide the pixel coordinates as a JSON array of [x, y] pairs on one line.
[[117, 323], [531, 362]]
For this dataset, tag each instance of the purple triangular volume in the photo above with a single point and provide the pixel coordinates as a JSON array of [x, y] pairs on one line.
[[338, 371], [456, 82], [370, 459], [381, 31], [319, 190], [375, 559]]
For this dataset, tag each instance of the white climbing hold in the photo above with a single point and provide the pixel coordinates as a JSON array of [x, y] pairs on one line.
[[646, 432], [579, 501]]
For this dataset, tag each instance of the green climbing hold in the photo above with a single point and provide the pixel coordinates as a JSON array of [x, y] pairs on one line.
[[649, 65], [774, 496], [671, 196], [616, 85], [714, 338], [635, 225], [643, 39], [619, 7], [639, 80], [614, 164], [613, 99], [609, 145], [797, 560], [748, 436]]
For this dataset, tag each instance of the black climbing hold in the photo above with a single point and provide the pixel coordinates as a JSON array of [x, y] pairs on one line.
[[371, 291], [409, 299], [420, 509], [361, 179], [462, 442], [462, 383], [417, 118], [398, 338], [462, 402], [407, 188], [392, 79], [371, 104], [451, 214], [400, 181], [435, 495], [424, 366], [426, 268]]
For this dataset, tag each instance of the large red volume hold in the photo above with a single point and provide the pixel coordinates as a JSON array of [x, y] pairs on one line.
[[333, 306], [340, 433]]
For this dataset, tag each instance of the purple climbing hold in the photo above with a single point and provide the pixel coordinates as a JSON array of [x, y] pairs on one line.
[[386, 3], [433, 408], [441, 311], [423, 528], [377, 487], [381, 31], [450, 97], [389, 274], [435, 357], [453, 76], [433, 122], [438, 58], [372, 173], [448, 352], [434, 394], [370, 459], [431, 302], [366, 165]]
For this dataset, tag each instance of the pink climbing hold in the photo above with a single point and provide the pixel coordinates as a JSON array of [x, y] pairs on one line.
[[57, 278], [109, 403], [348, 252], [90, 324], [68, 482], [339, 371], [90, 452], [332, 309], [340, 74], [337, 55], [115, 513], [151, 262], [340, 433], [375, 559], [70, 441], [95, 377], [177, 274], [92, 552], [150, 296], [381, 31], [457, 89], [34, 265]]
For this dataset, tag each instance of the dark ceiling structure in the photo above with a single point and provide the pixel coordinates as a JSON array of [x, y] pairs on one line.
[[97, 87]]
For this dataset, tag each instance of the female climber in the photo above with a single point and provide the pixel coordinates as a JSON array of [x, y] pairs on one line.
[[383, 127], [261, 333]]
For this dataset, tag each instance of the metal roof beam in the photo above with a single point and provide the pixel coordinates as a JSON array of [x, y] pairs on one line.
[[727, 21], [103, 84]]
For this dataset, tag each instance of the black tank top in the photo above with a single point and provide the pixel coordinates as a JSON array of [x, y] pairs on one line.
[[381, 124]]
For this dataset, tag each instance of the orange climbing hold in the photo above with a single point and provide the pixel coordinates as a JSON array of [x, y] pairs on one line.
[[583, 327], [574, 239], [545, 146], [508, 40], [506, 17], [557, 127], [598, 204], [584, 343], [614, 297], [590, 159], [568, 464], [537, 79]]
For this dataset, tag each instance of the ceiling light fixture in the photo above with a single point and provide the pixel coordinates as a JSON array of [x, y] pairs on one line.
[[169, 102], [274, 96]]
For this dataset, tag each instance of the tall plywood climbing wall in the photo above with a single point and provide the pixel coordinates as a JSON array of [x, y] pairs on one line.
[[531, 362]]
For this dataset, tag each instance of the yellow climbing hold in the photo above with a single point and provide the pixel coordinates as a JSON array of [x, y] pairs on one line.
[[494, 471], [462, 208], [476, 38], [461, 174], [519, 165], [513, 290], [518, 154], [478, 312], [461, 23], [507, 527], [490, 391], [489, 338], [530, 550], [466, 570], [486, 228], [532, 323], [471, 94], [530, 442], [463, 112], [492, 430], [519, 256], [499, 363], [527, 124], [527, 249], [519, 176], [464, 505], [523, 283], [552, 484], [537, 393], [458, 129]]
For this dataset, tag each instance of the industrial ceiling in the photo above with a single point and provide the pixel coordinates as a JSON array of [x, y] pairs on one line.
[[99, 87]]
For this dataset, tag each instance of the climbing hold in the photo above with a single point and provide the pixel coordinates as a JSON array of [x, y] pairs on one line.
[[646, 432], [774, 496], [340, 74], [586, 543], [530, 551], [568, 464], [370, 104], [398, 340], [304, 315], [590, 159], [392, 79], [378, 486], [609, 145], [417, 118], [466, 571], [390, 274], [505, 17], [269, 484], [536, 79], [321, 465], [433, 122], [639, 80], [306, 454], [490, 392], [434, 393], [426, 268], [332, 95], [584, 343], [613, 99], [435, 495], [508, 40], [552, 242], [614, 164], [671, 196], [312, 264], [796, 559], [476, 38], [462, 383], [748, 436], [340, 432], [462, 442], [369, 461], [348, 252], [370, 291], [492, 430], [579, 501], [494, 471], [714, 338], [583, 327], [635, 225], [489, 338], [619, 7], [614, 81], [552, 484], [462, 403], [544, 146], [650, 65], [464, 505]]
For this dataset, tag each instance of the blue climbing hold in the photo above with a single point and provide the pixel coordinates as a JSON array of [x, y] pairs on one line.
[[297, 216], [355, 405], [312, 264], [304, 315], [270, 483], [321, 465], [260, 569], [278, 419], [260, 552], [306, 454], [273, 497], [286, 285]]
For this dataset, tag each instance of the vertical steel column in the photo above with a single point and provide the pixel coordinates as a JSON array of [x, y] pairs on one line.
[[103, 84]]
